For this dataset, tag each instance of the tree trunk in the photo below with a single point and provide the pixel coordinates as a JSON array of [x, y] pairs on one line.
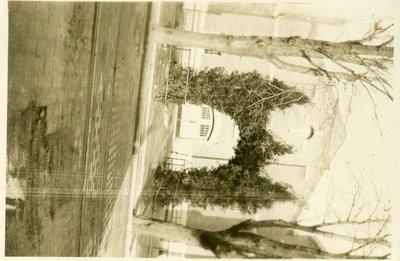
[[234, 242], [166, 230], [269, 47]]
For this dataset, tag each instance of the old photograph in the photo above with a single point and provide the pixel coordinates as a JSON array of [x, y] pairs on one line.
[[265, 130]]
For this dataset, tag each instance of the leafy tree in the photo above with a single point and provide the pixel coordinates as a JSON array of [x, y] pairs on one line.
[[248, 98], [256, 147], [226, 185]]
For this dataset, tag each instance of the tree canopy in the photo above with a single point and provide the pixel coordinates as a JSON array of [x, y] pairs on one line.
[[248, 98], [224, 186]]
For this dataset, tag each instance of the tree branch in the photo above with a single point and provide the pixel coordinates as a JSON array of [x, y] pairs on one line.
[[234, 243], [250, 224], [361, 78], [374, 32], [264, 245], [275, 60]]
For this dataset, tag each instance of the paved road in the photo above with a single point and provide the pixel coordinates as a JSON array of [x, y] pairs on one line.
[[154, 138], [74, 75]]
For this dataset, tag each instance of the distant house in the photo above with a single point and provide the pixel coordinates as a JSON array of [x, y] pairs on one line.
[[195, 122], [203, 136]]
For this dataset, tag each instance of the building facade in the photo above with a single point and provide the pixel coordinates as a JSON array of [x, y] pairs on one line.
[[206, 138]]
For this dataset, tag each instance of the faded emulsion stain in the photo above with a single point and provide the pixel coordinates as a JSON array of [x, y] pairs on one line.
[[76, 35], [27, 157]]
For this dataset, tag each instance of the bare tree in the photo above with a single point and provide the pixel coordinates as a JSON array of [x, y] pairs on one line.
[[244, 240], [361, 230], [355, 61]]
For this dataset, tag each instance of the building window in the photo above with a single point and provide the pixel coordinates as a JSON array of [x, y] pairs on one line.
[[204, 130], [205, 113], [208, 51]]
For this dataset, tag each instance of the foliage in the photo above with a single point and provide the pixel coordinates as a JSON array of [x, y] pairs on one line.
[[248, 98], [226, 185], [255, 148]]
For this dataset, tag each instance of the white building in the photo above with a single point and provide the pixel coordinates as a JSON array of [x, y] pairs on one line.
[[303, 127]]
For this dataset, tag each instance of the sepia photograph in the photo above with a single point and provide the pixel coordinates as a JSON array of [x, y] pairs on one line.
[[201, 129]]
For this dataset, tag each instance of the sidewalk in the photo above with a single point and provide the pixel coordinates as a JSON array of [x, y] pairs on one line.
[[152, 145]]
